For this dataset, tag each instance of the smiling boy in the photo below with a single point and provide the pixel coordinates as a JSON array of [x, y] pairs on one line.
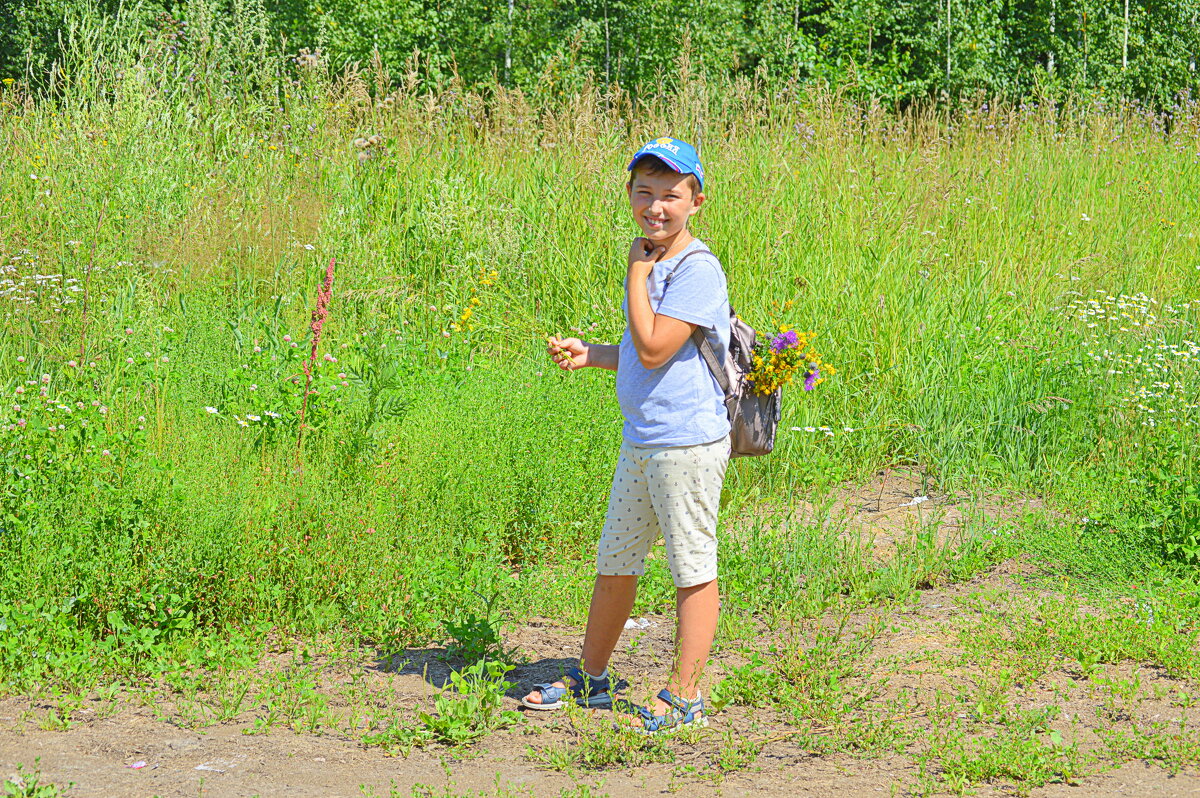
[[675, 444]]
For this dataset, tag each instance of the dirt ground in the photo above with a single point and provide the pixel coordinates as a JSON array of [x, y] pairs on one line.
[[96, 753], [222, 760]]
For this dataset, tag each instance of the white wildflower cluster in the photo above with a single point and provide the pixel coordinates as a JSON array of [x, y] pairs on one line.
[[1154, 377], [266, 417], [22, 283], [828, 432], [1122, 311], [1162, 377]]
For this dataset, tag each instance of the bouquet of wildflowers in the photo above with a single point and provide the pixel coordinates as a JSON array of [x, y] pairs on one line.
[[787, 354]]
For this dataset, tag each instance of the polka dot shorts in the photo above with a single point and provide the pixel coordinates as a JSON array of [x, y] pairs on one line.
[[674, 490]]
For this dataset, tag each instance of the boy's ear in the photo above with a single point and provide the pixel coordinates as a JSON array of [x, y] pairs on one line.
[[697, 201]]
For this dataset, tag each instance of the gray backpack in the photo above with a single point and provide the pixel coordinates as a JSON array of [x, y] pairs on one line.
[[753, 418]]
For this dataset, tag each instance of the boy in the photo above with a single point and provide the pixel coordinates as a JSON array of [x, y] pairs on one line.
[[676, 446]]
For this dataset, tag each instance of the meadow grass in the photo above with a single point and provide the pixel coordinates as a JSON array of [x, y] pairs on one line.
[[1009, 294]]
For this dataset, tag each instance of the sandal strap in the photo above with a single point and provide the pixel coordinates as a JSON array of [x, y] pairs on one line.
[[575, 686], [585, 685], [582, 686], [681, 713], [681, 704], [550, 693]]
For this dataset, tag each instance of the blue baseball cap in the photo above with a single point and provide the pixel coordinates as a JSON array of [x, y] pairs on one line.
[[679, 155]]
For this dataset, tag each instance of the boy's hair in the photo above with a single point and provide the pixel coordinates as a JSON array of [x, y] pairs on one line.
[[653, 165]]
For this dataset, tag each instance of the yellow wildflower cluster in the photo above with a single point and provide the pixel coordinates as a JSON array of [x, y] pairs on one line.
[[777, 362], [487, 278]]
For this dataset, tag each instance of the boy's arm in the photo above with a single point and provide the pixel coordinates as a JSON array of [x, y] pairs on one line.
[[655, 337], [603, 356], [572, 353]]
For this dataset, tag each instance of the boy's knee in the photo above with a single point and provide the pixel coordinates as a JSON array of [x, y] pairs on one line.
[[683, 591]]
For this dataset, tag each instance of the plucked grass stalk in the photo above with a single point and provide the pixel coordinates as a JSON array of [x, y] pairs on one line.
[[319, 315]]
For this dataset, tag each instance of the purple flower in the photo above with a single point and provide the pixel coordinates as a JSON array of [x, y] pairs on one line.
[[810, 379], [785, 340]]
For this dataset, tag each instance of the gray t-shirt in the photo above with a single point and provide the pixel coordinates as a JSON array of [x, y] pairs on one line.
[[679, 403]]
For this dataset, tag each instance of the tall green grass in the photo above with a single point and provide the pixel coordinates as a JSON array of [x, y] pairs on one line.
[[163, 238]]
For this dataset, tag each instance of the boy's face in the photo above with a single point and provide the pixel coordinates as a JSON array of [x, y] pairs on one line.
[[662, 204]]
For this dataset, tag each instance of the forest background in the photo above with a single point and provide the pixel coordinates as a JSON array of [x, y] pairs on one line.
[[897, 52]]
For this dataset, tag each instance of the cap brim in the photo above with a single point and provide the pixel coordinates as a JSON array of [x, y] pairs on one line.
[[665, 160]]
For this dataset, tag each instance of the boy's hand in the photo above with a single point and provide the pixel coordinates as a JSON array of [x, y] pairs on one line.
[[643, 254], [568, 353]]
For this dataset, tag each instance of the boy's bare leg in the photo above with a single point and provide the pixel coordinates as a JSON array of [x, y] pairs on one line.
[[697, 608], [612, 601]]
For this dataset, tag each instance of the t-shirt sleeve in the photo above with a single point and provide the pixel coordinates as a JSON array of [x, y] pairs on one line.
[[696, 293]]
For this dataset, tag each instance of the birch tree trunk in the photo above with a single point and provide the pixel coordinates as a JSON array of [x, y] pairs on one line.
[[947, 45], [1050, 52], [1125, 42], [607, 49], [508, 45]]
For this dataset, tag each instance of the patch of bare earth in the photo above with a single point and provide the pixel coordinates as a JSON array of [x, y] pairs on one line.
[[912, 653], [899, 503]]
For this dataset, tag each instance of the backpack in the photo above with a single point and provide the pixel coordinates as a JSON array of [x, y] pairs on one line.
[[753, 417]]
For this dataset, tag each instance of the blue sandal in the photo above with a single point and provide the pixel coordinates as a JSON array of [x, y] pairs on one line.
[[585, 690], [682, 713]]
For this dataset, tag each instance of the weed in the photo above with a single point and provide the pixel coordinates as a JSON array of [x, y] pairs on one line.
[[809, 683], [1175, 745], [449, 791], [476, 637], [1022, 751], [1184, 699], [470, 709], [230, 698], [736, 752], [582, 791], [598, 743], [29, 784]]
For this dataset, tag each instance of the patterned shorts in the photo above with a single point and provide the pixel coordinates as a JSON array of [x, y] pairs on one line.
[[674, 490]]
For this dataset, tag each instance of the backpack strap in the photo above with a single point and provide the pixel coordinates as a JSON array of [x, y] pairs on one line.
[[667, 281], [710, 357]]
